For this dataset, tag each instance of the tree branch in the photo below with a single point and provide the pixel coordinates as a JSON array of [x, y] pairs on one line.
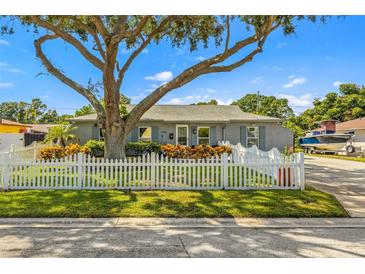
[[63, 78], [119, 33], [101, 28], [118, 28], [140, 49], [201, 68], [92, 32], [71, 40], [228, 33]]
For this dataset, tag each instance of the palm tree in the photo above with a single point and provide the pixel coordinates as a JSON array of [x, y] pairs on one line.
[[60, 134]]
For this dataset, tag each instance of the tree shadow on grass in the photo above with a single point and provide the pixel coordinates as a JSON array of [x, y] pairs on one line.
[[115, 203]]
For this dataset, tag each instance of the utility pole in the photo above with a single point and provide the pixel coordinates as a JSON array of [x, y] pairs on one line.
[[258, 101]]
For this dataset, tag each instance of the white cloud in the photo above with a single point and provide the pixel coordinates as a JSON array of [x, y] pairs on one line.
[[224, 101], [295, 81], [6, 85], [196, 98], [273, 68], [210, 90], [281, 45], [200, 58], [4, 42], [257, 80], [176, 101], [8, 68], [161, 76], [337, 84], [301, 101]]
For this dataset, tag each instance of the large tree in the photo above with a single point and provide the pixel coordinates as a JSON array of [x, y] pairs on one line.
[[265, 105], [99, 38]]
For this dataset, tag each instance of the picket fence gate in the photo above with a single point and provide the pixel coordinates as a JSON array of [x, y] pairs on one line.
[[153, 171]]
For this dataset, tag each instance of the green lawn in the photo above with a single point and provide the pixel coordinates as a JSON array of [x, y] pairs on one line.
[[114, 203], [341, 157]]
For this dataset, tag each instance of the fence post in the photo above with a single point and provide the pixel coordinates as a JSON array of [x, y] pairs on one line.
[[5, 170], [225, 170], [79, 170], [301, 176], [153, 169]]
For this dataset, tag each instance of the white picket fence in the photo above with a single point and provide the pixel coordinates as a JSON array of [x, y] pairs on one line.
[[31, 152], [153, 172]]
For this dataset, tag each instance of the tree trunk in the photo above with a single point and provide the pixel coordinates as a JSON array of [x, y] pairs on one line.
[[115, 141]]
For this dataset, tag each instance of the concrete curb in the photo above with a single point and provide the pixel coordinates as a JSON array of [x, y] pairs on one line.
[[182, 222]]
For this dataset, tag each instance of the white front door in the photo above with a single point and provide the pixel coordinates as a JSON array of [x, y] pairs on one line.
[[182, 135]]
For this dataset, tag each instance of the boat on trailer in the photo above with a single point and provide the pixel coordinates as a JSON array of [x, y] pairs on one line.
[[326, 139]]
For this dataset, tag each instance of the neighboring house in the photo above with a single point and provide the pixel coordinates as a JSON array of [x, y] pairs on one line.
[[41, 128], [356, 127], [197, 124], [20, 135], [7, 126]]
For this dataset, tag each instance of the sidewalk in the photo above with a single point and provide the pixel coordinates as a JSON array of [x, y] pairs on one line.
[[184, 222], [161, 238]]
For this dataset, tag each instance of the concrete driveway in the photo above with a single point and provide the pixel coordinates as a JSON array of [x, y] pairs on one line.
[[345, 179], [159, 238]]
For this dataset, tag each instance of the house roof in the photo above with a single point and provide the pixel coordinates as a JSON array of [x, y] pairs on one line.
[[193, 113], [41, 127], [352, 124], [12, 123]]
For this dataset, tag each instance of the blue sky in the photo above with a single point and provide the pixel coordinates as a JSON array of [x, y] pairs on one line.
[[300, 67]]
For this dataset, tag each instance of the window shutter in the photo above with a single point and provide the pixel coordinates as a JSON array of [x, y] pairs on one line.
[[213, 136], [135, 134], [155, 134], [243, 135], [262, 137]]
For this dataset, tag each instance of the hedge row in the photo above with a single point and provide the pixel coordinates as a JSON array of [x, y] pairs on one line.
[[96, 149]]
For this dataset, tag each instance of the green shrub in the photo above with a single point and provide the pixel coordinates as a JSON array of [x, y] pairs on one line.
[[96, 148], [138, 148]]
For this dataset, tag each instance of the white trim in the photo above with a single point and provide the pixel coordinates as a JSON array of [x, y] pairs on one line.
[[187, 133], [197, 134], [139, 132]]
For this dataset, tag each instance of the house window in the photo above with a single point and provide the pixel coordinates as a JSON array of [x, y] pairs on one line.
[[203, 136], [182, 135], [253, 136], [101, 135], [145, 134]]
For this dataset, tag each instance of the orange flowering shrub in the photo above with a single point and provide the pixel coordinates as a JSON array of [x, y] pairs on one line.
[[52, 152], [57, 152], [85, 150], [198, 152], [222, 149], [178, 151], [72, 149], [202, 152]]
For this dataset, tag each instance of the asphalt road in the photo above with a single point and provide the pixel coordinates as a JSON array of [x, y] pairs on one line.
[[345, 179], [293, 239]]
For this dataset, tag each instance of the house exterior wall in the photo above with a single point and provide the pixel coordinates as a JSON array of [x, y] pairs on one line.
[[86, 131], [359, 134], [271, 134], [10, 128]]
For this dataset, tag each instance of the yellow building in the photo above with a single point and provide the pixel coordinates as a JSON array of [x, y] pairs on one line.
[[7, 126]]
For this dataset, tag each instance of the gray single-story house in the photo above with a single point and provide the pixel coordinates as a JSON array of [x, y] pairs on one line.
[[197, 124]]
